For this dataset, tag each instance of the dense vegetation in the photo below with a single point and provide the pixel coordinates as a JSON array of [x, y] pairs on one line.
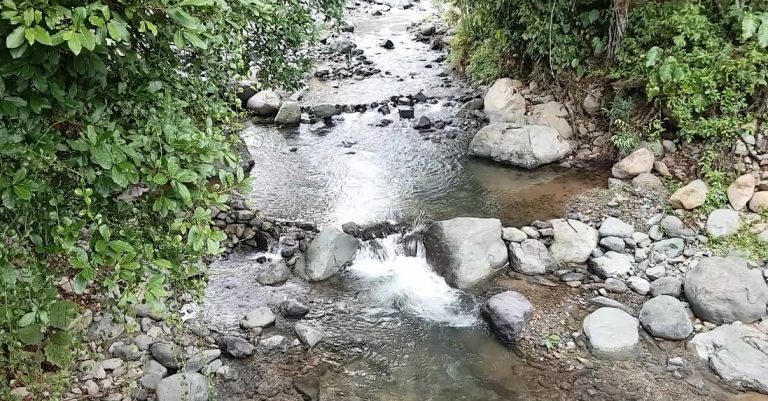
[[696, 68], [113, 121]]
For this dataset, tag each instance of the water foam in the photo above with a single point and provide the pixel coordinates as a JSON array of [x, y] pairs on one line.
[[396, 272]]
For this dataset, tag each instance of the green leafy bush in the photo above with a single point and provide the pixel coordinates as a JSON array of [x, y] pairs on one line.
[[112, 120]]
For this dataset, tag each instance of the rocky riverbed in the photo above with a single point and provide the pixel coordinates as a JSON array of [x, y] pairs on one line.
[[392, 250]]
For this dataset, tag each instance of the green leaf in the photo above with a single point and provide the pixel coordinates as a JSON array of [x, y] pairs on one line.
[[22, 191], [652, 57], [61, 314], [87, 39], [31, 334], [196, 3], [42, 36], [120, 246], [61, 338], [183, 18], [178, 39], [58, 355], [19, 175], [27, 319], [75, 45], [101, 157], [185, 176], [748, 26], [15, 38], [195, 40], [762, 33]]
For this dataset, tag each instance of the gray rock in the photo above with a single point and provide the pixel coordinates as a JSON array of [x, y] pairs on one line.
[[508, 313], [143, 342], [271, 343], [259, 317], [612, 333], [655, 272], [574, 241], [127, 352], [737, 354], [722, 222], [199, 360], [724, 290], [528, 146], [665, 317], [324, 110], [273, 272], [670, 247], [615, 285], [264, 104], [155, 313], [225, 373], [465, 249], [655, 233], [153, 366], [166, 354], [610, 303], [615, 244], [690, 196], [647, 181], [673, 227], [530, 257], [236, 347], [503, 102], [513, 234], [293, 308], [638, 162], [150, 381], [613, 227], [423, 122], [183, 387], [612, 264], [639, 285], [308, 335], [289, 114], [327, 253], [671, 286]]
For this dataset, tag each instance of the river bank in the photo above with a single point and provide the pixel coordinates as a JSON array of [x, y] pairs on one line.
[[276, 324]]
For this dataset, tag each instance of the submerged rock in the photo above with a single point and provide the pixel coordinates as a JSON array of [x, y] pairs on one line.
[[465, 249], [528, 146], [508, 313], [574, 241], [327, 253], [725, 290], [612, 333]]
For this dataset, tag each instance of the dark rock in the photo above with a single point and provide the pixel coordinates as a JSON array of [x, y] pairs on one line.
[[235, 347], [508, 313]]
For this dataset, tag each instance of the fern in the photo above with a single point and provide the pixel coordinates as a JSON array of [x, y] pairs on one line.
[[748, 26], [762, 33]]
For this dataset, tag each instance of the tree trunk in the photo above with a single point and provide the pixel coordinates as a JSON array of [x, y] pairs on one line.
[[619, 24]]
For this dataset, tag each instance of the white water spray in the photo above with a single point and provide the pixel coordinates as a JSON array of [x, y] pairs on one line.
[[394, 278]]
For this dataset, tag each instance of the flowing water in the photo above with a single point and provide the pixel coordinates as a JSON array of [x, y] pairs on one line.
[[396, 330]]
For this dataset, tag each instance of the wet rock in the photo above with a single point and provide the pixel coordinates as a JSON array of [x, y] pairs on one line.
[[466, 249], [166, 354], [236, 347], [737, 354], [724, 290], [259, 317], [508, 313], [530, 257], [264, 104], [759, 202], [612, 333], [422, 122], [289, 114], [639, 285], [351, 228], [324, 110], [671, 286], [513, 234], [405, 112], [613, 227], [427, 30], [271, 343], [673, 227], [327, 253], [612, 264], [665, 317], [638, 162], [741, 191], [293, 308], [722, 222], [503, 103], [183, 387], [522, 146], [273, 272], [573, 241], [387, 44], [308, 335], [690, 196]]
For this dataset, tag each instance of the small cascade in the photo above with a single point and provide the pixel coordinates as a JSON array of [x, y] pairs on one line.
[[394, 270]]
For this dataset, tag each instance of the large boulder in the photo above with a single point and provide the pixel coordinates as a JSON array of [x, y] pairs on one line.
[[638, 162], [724, 290], [574, 241], [665, 317], [690, 196], [723, 222], [737, 353], [245, 91], [531, 257], [183, 387], [507, 314], [612, 333], [503, 103], [741, 191], [264, 104], [326, 254], [551, 114], [289, 114], [528, 146], [465, 249]]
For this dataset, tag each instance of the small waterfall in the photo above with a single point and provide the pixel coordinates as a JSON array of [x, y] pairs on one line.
[[394, 270]]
